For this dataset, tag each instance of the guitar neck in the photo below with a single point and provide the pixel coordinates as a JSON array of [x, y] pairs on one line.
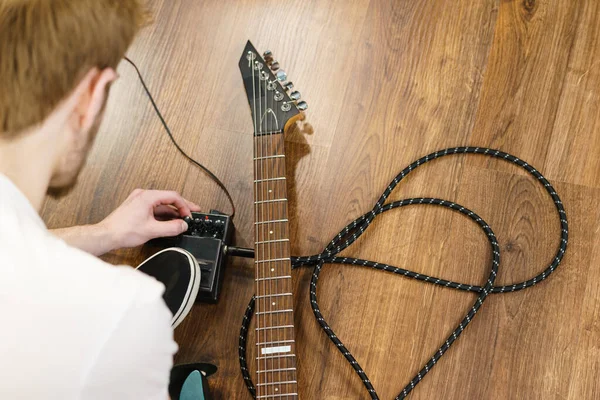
[[276, 359]]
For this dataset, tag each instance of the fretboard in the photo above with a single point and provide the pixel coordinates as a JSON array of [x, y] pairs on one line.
[[276, 359]]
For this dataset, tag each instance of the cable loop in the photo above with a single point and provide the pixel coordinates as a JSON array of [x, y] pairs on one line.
[[347, 236]]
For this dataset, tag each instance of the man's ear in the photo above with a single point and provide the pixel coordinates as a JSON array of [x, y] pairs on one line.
[[93, 91]]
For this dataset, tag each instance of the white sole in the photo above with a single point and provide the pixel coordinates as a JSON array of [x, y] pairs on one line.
[[192, 289]]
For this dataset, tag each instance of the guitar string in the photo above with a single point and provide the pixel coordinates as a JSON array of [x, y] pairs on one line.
[[278, 245], [271, 384], [282, 206], [356, 228], [262, 213], [287, 282], [254, 139], [271, 228]]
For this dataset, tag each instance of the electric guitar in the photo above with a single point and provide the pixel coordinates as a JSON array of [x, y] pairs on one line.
[[274, 108]]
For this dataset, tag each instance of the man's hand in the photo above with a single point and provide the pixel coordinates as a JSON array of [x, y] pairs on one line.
[[144, 215], [148, 214]]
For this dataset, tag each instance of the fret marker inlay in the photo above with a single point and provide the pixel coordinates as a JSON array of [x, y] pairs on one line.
[[273, 350]]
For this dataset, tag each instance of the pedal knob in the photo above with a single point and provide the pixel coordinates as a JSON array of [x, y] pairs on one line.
[[220, 228]]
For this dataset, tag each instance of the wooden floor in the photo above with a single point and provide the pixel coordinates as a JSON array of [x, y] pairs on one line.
[[386, 82]]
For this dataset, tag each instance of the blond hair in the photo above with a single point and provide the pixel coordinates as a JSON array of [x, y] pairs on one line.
[[47, 46]]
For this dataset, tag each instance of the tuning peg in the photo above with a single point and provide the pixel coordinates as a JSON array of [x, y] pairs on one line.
[[268, 57], [295, 95], [281, 75], [302, 105], [288, 86], [274, 65]]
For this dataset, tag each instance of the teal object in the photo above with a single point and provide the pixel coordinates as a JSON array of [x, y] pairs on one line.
[[192, 388]]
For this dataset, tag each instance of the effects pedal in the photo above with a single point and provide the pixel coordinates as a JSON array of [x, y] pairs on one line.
[[207, 237]]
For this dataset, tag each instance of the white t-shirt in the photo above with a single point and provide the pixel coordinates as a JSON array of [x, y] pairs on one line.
[[72, 326]]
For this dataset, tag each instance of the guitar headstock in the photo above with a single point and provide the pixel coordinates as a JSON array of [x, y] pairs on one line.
[[274, 104]]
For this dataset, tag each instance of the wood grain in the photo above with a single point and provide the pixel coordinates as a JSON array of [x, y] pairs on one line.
[[386, 82]]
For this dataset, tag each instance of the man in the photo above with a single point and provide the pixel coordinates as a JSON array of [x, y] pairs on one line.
[[72, 327]]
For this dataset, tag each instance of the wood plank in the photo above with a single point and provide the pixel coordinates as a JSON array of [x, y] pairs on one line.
[[532, 104], [577, 125], [586, 369]]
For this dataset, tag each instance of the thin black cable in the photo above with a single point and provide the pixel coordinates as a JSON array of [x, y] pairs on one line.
[[352, 232], [164, 123]]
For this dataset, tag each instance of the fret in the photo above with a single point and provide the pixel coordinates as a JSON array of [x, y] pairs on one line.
[[279, 178], [267, 157], [274, 312], [272, 241], [262, 328], [272, 281], [274, 277], [270, 396], [271, 222], [269, 201], [276, 370], [273, 260], [272, 295], [275, 356], [276, 342]]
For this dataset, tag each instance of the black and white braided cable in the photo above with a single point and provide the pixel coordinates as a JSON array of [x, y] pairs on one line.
[[352, 232]]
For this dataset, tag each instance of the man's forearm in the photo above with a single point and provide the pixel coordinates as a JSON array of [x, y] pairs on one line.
[[94, 239]]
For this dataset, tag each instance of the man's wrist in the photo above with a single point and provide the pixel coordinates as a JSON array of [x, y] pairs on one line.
[[95, 239], [106, 237]]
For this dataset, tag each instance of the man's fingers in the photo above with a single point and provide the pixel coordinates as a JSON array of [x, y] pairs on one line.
[[167, 197], [165, 212], [173, 227]]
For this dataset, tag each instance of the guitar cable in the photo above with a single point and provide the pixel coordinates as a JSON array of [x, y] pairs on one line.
[[347, 236], [356, 228]]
